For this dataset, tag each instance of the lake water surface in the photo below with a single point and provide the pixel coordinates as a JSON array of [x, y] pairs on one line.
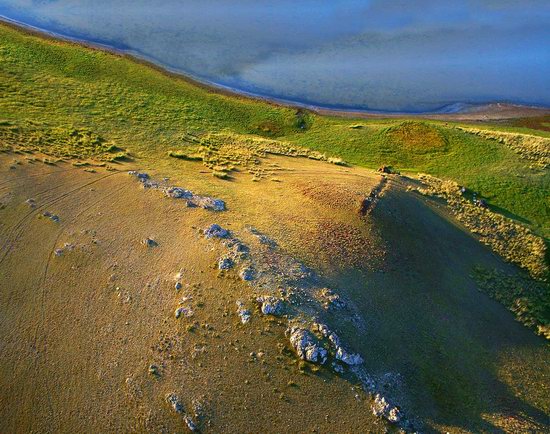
[[390, 55]]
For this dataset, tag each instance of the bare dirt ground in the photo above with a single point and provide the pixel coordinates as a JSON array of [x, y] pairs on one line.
[[89, 341], [486, 112]]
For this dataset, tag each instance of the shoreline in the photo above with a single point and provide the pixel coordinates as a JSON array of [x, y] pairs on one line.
[[494, 111]]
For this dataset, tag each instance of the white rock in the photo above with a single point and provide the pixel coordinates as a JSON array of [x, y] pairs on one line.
[[348, 358], [270, 305], [382, 408], [243, 313], [306, 345]]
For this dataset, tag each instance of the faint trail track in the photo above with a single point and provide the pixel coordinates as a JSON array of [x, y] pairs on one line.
[[3, 184], [42, 352], [17, 230]]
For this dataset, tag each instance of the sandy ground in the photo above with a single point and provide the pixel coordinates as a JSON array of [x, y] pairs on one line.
[[79, 330]]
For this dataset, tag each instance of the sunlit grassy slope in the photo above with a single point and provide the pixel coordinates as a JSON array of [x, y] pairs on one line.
[[53, 91]]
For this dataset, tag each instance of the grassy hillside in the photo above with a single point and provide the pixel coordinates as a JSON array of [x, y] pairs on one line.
[[52, 91], [116, 293]]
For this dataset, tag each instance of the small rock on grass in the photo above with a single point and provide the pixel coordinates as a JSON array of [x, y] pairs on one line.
[[51, 216], [183, 311]]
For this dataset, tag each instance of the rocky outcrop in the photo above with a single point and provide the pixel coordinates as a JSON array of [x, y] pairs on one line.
[[216, 231], [225, 263], [306, 345], [270, 305], [247, 274], [382, 408], [340, 353], [191, 199]]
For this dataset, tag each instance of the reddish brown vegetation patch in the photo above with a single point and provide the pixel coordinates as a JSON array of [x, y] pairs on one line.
[[347, 245]]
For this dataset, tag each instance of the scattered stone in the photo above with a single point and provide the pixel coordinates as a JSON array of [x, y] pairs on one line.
[[177, 286], [153, 370], [306, 345], [243, 313], [247, 274], [177, 406], [61, 250], [338, 368], [31, 202], [138, 175], [178, 193], [263, 239], [270, 305], [149, 242], [192, 200], [51, 216], [382, 408], [238, 250], [225, 263], [174, 401], [207, 203], [216, 231], [330, 299], [348, 358], [183, 311]]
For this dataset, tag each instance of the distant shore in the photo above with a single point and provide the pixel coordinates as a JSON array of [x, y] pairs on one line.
[[494, 111]]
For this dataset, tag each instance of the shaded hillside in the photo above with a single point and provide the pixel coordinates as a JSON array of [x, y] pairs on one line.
[[117, 294]]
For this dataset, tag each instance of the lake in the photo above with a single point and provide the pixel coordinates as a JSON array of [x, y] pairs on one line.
[[406, 56]]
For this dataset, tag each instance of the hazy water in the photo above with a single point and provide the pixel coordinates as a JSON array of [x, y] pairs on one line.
[[371, 54]]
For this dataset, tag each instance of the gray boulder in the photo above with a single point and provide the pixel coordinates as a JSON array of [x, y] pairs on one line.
[[216, 231], [247, 274], [149, 242], [225, 263], [270, 305], [243, 313], [382, 408], [306, 345]]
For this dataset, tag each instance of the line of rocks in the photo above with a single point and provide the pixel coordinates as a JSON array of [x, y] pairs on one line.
[[191, 199], [302, 303], [177, 406]]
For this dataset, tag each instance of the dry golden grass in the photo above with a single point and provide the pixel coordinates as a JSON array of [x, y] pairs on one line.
[[223, 153], [60, 142]]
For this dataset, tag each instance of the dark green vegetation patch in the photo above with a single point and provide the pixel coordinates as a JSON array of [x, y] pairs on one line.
[[529, 300]]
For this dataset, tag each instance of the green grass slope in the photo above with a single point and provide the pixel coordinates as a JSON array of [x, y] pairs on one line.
[[51, 88]]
